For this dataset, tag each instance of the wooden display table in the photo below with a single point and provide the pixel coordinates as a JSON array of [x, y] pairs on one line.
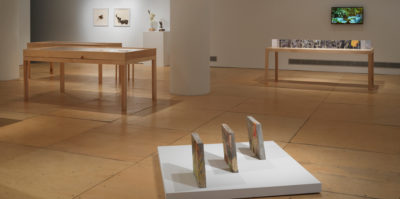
[[369, 52], [120, 56], [75, 44]]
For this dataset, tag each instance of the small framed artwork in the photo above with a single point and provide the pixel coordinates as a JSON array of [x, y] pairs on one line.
[[100, 17], [122, 17]]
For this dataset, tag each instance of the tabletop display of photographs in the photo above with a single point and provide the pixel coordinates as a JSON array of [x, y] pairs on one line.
[[298, 43]]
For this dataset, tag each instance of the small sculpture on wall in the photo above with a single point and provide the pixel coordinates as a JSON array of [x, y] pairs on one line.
[[199, 169], [229, 144]]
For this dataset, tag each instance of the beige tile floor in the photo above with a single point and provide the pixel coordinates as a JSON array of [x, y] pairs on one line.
[[79, 146]]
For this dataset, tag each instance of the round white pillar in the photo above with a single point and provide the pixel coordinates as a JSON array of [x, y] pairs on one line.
[[190, 48], [9, 14]]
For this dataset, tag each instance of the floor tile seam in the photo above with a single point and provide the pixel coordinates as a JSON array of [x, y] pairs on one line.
[[368, 105], [288, 98], [339, 171], [153, 127], [139, 110], [353, 177], [307, 119], [90, 156], [34, 115], [46, 148], [83, 119], [359, 122], [176, 140], [34, 148], [103, 181], [238, 104], [207, 121], [144, 110], [343, 148], [74, 136], [267, 114], [330, 88], [346, 194]]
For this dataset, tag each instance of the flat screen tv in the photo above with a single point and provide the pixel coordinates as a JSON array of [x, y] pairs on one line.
[[347, 15]]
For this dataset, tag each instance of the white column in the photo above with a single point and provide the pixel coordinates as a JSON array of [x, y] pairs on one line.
[[24, 28], [9, 20], [190, 70]]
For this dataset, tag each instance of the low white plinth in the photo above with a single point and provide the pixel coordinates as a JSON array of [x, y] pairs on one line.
[[279, 174]]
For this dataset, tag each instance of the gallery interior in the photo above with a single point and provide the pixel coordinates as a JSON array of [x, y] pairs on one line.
[[150, 99]]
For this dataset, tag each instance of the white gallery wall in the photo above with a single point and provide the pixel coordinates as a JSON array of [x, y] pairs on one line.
[[241, 29], [72, 20]]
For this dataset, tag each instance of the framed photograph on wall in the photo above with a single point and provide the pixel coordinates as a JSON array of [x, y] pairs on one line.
[[100, 17], [122, 17]]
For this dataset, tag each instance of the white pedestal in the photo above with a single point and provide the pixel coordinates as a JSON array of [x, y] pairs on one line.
[[279, 174], [159, 40]]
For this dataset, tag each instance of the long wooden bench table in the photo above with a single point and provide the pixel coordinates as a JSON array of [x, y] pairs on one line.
[[44, 44], [119, 56], [369, 52]]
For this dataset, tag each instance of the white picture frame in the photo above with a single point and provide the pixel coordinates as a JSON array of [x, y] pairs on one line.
[[100, 17], [122, 17]]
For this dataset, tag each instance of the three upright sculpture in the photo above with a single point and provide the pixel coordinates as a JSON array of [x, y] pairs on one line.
[[256, 142]]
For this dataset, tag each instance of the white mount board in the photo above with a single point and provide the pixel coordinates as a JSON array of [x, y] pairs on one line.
[[279, 174]]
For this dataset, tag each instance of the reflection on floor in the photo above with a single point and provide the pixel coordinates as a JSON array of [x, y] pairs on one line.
[[78, 145]]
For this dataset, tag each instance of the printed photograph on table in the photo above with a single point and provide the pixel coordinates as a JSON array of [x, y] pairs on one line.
[[122, 17], [284, 43], [320, 44], [309, 43], [303, 43], [347, 44], [296, 43], [199, 168], [340, 43], [100, 17], [330, 44], [355, 44], [229, 144]]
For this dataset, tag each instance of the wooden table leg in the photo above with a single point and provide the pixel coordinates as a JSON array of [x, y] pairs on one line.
[[154, 79], [100, 73], [120, 76], [124, 89], [51, 68], [129, 72], [133, 72], [26, 80], [371, 71], [266, 65], [276, 65], [29, 70], [116, 73], [62, 78]]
